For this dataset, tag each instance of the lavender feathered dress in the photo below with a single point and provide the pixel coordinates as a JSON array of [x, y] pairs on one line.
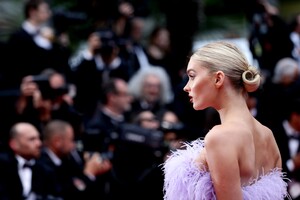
[[185, 181]]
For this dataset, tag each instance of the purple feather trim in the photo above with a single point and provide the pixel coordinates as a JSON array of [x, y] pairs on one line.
[[185, 181]]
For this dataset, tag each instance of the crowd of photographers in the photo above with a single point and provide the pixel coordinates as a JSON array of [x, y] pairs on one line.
[[94, 123]]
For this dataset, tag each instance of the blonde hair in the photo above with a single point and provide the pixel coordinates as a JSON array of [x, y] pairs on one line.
[[225, 56]]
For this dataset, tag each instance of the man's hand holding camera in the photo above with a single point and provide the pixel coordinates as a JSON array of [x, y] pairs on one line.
[[28, 89], [95, 164]]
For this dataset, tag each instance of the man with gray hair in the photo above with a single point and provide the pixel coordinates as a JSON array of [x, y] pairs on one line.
[[286, 71], [151, 90]]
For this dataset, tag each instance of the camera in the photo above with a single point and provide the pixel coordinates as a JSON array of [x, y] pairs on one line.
[[46, 90], [171, 127], [137, 154], [134, 134], [103, 155], [43, 84]]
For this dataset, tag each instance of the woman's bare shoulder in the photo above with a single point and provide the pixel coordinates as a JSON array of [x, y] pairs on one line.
[[228, 129], [225, 134], [264, 130]]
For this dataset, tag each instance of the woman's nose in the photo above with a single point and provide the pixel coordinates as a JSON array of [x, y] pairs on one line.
[[186, 88]]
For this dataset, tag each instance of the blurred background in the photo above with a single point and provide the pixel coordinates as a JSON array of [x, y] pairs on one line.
[[217, 18]]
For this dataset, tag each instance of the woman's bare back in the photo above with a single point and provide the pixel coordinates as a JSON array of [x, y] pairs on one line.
[[258, 151], [264, 156]]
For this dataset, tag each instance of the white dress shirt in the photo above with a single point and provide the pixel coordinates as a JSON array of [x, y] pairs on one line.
[[25, 174]]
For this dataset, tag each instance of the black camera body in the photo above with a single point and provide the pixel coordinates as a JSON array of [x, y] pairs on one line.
[[43, 84], [134, 134], [46, 90]]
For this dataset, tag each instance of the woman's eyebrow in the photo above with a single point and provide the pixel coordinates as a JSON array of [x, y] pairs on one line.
[[190, 70]]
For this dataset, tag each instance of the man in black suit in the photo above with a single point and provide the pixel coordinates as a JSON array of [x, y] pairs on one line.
[[29, 55], [20, 176], [287, 135], [76, 176], [102, 130]]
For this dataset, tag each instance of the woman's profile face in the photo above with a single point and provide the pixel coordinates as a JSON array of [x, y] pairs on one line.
[[199, 87]]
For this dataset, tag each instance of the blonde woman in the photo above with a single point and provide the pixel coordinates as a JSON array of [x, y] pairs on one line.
[[238, 159]]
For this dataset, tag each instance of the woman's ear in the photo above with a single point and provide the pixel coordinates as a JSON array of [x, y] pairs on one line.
[[219, 79]]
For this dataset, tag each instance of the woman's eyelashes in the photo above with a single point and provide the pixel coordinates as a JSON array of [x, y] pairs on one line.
[[191, 76]]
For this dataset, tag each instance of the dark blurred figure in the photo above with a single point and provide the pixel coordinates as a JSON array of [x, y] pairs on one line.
[[174, 132], [76, 176], [269, 36], [98, 63], [277, 92], [21, 177], [295, 36], [102, 130], [147, 119], [138, 155], [287, 135], [158, 46], [3, 52], [252, 103], [137, 55], [86, 76], [182, 21], [158, 51], [105, 13]]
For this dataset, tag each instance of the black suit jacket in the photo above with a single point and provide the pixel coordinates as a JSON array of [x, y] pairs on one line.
[[69, 177], [30, 59], [282, 140], [24, 51], [10, 183]]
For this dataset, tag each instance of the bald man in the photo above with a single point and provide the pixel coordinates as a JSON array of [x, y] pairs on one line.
[[20, 176]]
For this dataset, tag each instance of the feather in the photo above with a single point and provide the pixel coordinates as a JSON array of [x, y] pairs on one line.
[[183, 180]]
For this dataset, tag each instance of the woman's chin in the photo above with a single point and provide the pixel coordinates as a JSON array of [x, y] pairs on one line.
[[198, 107]]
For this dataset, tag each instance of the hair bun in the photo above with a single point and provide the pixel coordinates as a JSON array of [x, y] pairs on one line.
[[251, 79]]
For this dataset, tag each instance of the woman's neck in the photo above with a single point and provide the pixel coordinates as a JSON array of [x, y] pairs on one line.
[[233, 107]]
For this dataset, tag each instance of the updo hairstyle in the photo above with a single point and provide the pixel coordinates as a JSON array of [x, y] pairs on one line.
[[225, 56]]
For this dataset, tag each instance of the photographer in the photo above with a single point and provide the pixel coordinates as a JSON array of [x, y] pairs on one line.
[[101, 130], [138, 154], [95, 65], [45, 97]]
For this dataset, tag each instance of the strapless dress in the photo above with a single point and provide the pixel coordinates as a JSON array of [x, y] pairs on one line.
[[183, 180]]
